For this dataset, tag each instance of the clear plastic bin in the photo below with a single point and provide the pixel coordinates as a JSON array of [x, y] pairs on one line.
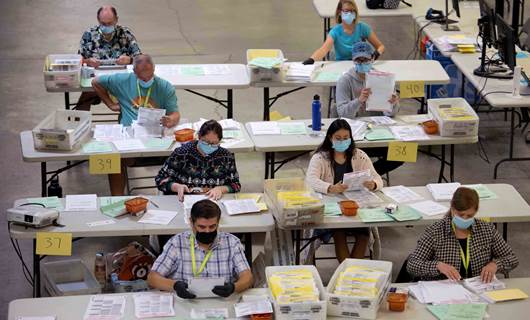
[[62, 130], [258, 74], [68, 278], [454, 116], [62, 71]]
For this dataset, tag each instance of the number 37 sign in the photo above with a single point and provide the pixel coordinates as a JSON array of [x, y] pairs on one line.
[[402, 151]]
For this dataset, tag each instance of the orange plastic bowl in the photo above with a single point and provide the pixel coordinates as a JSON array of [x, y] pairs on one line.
[[136, 205], [184, 135], [348, 207], [397, 301], [430, 127]]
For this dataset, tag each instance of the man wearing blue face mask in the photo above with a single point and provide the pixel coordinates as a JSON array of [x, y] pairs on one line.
[[106, 43], [201, 166]]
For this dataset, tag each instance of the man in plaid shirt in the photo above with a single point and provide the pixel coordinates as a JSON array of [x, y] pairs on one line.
[[203, 253]]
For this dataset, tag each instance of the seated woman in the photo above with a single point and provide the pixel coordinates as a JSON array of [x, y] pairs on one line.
[[348, 31], [336, 156], [460, 246], [200, 167]]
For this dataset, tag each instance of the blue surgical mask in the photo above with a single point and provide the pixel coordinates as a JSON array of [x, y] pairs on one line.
[[462, 223], [341, 145], [146, 84], [363, 67], [348, 17], [207, 148], [106, 29]]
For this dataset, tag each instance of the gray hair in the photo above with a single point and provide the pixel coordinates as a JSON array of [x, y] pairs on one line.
[[139, 58]]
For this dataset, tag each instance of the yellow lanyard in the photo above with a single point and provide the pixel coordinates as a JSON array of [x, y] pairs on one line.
[[465, 257], [140, 94], [192, 252]]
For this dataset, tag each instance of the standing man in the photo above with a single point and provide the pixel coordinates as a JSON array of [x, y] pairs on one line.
[[106, 43]]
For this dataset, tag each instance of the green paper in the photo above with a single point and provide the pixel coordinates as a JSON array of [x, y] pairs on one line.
[[48, 202], [332, 209], [465, 312], [292, 127], [406, 213], [378, 134], [369, 215], [439, 310], [97, 147], [327, 76], [157, 143], [113, 206], [191, 70], [265, 62], [483, 191], [232, 134]]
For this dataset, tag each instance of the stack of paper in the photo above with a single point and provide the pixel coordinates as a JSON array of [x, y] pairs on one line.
[[162, 217], [364, 198], [157, 143], [332, 209], [128, 145], [151, 305], [109, 132], [477, 286], [504, 295], [265, 62], [257, 197], [150, 116], [81, 202], [429, 207], [95, 146], [443, 191], [105, 307], [378, 134], [382, 85], [299, 72], [409, 133], [230, 124], [483, 191], [291, 127], [403, 213], [190, 199], [209, 313], [359, 282], [202, 287], [440, 292], [358, 129], [244, 309], [468, 311], [355, 180], [191, 70], [113, 206], [47, 202], [146, 131], [380, 120], [401, 194], [235, 207], [297, 285], [265, 128]]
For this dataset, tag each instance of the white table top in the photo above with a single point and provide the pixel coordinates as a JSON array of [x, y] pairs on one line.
[[469, 62], [238, 78], [126, 225], [429, 71], [29, 154], [279, 143], [77, 305], [508, 207], [326, 9]]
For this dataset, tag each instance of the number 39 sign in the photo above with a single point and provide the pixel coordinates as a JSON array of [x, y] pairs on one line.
[[104, 163], [402, 151]]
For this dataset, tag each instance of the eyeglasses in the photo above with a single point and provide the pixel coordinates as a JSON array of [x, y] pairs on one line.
[[348, 10], [213, 145], [362, 60]]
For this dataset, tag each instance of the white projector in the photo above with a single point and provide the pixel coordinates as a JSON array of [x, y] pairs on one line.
[[32, 216]]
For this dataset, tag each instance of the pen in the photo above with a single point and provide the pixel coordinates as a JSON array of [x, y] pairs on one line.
[[154, 204]]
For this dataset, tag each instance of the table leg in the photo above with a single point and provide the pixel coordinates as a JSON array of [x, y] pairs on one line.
[[271, 162], [266, 165], [248, 247], [36, 271], [229, 104], [442, 165], [297, 249], [67, 100], [266, 106], [43, 179], [505, 231], [452, 165]]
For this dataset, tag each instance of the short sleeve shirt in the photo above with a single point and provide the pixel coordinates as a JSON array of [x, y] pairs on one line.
[[344, 42]]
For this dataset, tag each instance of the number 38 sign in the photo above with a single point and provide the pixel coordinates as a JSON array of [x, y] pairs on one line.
[[104, 163], [402, 151]]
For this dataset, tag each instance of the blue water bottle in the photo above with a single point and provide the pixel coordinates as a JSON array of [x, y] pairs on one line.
[[316, 114]]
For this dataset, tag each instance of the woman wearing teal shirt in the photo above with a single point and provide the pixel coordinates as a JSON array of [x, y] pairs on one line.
[[348, 31]]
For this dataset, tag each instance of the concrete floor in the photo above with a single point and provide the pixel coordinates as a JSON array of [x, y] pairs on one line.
[[198, 31]]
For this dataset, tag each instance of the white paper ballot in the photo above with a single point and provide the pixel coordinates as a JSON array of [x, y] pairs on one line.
[[38, 318], [443, 191], [108, 132], [355, 180], [243, 309], [364, 198], [100, 223], [382, 85], [81, 202], [151, 304], [153, 216], [202, 287], [128, 145], [242, 206], [209, 313], [409, 133], [401, 194], [358, 128], [379, 120], [429, 208], [265, 128], [150, 116], [190, 199], [145, 131], [230, 124], [105, 307]]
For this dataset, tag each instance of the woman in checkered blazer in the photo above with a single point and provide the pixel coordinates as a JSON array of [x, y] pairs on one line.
[[460, 246]]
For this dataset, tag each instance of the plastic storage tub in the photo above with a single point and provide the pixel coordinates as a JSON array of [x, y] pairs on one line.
[[354, 307], [62, 71], [68, 278], [301, 310], [62, 130], [258, 74], [454, 116]]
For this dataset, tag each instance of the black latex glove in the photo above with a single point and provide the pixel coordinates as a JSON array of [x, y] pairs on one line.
[[181, 288], [224, 291], [376, 55], [309, 61]]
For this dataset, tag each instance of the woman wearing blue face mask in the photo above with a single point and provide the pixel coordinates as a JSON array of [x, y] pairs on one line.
[[200, 165], [348, 31], [336, 156], [460, 246]]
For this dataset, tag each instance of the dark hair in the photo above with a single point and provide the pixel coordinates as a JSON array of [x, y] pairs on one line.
[[327, 145], [206, 209], [338, 11], [211, 126], [464, 199], [111, 8]]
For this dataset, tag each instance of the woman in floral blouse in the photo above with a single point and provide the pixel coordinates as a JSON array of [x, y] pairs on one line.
[[200, 166]]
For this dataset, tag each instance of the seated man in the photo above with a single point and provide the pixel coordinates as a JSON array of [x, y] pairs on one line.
[[352, 95], [105, 42], [133, 90], [202, 253]]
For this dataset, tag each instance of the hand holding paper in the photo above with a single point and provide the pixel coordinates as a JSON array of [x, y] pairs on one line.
[[382, 86]]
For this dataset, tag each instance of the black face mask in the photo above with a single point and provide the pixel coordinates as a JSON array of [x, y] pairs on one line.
[[206, 237]]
